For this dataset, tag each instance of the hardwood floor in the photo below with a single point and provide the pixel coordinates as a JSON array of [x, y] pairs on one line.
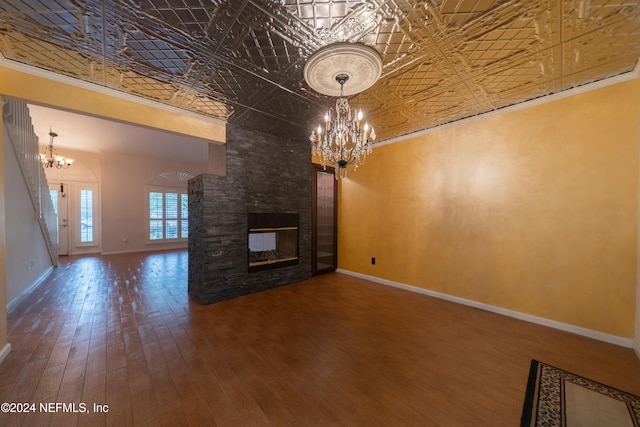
[[121, 331]]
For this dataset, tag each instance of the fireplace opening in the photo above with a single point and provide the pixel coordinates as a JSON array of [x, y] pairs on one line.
[[272, 240]]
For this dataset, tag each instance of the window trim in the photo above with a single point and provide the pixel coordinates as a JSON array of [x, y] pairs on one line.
[[76, 234], [164, 190]]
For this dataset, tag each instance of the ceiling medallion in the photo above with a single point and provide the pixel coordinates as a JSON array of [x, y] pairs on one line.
[[360, 63], [345, 138]]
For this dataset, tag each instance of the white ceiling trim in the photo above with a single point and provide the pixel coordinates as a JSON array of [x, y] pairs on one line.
[[526, 104], [39, 72]]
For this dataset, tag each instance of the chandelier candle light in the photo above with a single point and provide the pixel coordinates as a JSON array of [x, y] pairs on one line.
[[50, 159], [345, 138]]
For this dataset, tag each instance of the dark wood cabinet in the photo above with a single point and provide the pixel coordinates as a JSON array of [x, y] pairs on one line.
[[325, 220]]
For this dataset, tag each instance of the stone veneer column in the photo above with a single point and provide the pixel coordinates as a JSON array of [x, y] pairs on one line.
[[265, 173]]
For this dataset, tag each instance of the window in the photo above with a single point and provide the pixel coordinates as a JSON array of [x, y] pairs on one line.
[[54, 199], [184, 216], [86, 216], [168, 215]]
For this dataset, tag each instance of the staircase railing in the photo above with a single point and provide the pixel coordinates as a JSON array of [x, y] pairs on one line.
[[24, 141]]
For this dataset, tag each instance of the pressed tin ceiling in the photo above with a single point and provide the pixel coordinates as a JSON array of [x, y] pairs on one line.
[[243, 61]]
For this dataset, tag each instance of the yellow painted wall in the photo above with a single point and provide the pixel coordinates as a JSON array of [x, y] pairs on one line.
[[533, 210], [65, 96]]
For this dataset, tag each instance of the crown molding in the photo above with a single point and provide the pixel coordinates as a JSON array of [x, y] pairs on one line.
[[94, 87], [634, 74]]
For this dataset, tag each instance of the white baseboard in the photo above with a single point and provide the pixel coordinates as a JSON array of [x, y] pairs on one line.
[[27, 291], [5, 351], [601, 336], [135, 251], [129, 251]]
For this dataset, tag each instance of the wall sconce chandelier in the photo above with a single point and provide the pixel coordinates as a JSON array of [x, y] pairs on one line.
[[49, 157], [345, 138]]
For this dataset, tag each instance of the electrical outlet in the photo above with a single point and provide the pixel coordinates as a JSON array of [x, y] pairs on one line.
[[373, 260]]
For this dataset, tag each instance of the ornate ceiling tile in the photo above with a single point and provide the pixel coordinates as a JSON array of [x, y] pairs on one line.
[[243, 60]]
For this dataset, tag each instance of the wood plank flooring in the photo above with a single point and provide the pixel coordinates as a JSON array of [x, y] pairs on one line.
[[121, 331]]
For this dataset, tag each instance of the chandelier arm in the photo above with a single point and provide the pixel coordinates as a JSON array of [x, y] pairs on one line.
[[344, 140], [50, 160]]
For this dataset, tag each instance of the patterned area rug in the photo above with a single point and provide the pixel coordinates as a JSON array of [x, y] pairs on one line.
[[559, 398]]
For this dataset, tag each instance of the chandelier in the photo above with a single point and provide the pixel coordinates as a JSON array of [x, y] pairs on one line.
[[49, 157], [344, 138]]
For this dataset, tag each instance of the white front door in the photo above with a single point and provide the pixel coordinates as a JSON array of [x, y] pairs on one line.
[[59, 198]]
